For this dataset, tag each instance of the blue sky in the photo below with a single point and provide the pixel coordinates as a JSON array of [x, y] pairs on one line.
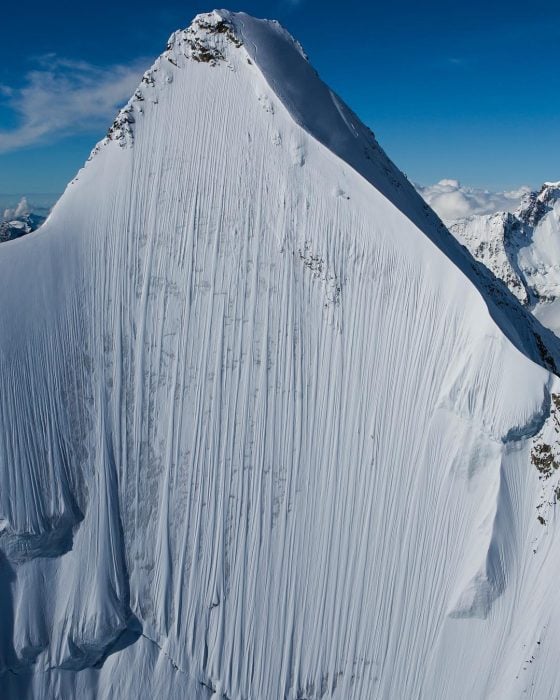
[[452, 90]]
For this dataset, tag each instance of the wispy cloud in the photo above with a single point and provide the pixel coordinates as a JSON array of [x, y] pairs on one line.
[[21, 209], [62, 96], [457, 61], [453, 201]]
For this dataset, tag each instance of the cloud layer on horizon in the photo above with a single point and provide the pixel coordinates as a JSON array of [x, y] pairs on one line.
[[452, 201], [62, 97]]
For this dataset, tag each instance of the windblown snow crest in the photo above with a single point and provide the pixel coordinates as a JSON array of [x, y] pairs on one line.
[[265, 431]]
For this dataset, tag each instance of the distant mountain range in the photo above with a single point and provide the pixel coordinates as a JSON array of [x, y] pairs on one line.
[[19, 226], [522, 249], [21, 216]]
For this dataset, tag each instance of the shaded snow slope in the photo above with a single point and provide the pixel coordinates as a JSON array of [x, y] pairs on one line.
[[262, 437]]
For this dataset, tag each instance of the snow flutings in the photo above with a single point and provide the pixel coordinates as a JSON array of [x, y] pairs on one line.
[[256, 434]]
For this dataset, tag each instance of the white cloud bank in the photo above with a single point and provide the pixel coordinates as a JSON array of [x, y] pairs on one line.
[[63, 96], [453, 201]]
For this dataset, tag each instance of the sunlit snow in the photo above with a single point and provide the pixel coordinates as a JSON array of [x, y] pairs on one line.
[[267, 427]]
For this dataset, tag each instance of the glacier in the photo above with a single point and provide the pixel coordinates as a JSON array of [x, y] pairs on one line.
[[269, 431]]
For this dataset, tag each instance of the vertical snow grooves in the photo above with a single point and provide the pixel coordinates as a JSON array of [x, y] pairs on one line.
[[288, 490]]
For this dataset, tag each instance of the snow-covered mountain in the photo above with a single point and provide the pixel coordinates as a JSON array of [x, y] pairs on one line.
[[269, 431], [19, 221], [15, 228], [522, 249]]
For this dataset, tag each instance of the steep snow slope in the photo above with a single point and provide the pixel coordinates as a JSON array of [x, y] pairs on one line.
[[523, 250], [265, 431]]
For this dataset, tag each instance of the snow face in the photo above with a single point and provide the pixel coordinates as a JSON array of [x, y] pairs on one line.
[[268, 430], [522, 249]]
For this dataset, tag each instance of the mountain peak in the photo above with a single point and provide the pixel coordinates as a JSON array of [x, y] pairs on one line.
[[250, 360], [535, 205], [205, 40], [213, 38], [222, 48], [246, 45], [522, 249]]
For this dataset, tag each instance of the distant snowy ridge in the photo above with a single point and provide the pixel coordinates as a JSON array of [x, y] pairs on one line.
[[522, 249], [269, 431], [18, 221]]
